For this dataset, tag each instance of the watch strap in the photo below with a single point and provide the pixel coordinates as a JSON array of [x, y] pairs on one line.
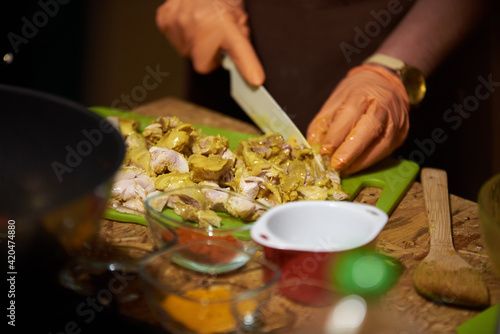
[[411, 77], [386, 61]]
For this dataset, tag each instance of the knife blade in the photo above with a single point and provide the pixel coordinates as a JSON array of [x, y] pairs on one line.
[[262, 109]]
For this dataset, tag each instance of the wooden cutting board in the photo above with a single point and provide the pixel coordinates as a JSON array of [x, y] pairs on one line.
[[405, 237]]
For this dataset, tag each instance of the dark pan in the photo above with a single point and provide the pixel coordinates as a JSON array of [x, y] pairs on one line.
[[57, 161]]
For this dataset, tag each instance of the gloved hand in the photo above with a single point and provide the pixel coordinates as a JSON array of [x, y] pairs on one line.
[[363, 121], [200, 29]]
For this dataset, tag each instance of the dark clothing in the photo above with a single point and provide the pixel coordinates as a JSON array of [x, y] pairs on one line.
[[306, 48]]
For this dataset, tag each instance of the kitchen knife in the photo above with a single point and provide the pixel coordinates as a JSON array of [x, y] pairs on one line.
[[260, 106]]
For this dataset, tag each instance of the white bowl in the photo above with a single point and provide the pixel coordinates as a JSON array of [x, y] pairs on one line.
[[314, 226], [305, 238]]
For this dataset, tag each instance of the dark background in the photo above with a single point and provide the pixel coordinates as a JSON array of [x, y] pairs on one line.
[[94, 52]]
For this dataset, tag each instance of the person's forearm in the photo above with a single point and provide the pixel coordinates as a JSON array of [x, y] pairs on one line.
[[431, 30]]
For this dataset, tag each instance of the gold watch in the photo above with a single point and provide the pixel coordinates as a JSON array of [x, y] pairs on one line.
[[413, 79]]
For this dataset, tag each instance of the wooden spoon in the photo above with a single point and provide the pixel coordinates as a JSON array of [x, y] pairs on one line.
[[443, 276]]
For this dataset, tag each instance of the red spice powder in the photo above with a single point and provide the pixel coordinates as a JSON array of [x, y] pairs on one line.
[[210, 254]]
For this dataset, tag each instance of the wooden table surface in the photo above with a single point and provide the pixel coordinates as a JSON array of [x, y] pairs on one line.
[[405, 237]]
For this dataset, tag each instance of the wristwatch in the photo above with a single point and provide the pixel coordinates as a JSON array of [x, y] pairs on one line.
[[413, 79]]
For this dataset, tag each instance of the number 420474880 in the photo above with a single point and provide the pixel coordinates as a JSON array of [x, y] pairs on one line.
[[11, 245]]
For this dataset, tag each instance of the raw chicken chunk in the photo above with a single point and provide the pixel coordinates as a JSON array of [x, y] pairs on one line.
[[164, 159]]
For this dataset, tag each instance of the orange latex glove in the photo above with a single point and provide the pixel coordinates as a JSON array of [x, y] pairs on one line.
[[363, 121], [200, 29]]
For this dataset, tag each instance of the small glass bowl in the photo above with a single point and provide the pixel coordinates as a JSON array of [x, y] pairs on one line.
[[297, 307], [185, 299], [292, 306], [228, 205]]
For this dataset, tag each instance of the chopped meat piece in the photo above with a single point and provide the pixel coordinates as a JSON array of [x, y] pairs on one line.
[[249, 186], [191, 204], [210, 183], [208, 218], [127, 173], [229, 155], [175, 140], [333, 175], [312, 193], [167, 123], [153, 132], [135, 140], [153, 193], [216, 199], [211, 145], [186, 211], [249, 157], [127, 189], [146, 183], [208, 168], [340, 196], [131, 186], [337, 193], [171, 181], [139, 157], [191, 199], [297, 171], [135, 204], [164, 159], [243, 208], [128, 125]]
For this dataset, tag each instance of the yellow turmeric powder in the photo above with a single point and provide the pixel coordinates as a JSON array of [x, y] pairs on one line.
[[203, 310]]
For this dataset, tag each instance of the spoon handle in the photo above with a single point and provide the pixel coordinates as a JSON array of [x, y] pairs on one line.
[[437, 207]]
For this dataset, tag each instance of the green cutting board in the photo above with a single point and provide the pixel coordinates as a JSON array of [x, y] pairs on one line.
[[393, 176]]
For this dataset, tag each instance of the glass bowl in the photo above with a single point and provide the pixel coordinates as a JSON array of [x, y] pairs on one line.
[[280, 312], [185, 299], [235, 213], [312, 306], [489, 213]]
